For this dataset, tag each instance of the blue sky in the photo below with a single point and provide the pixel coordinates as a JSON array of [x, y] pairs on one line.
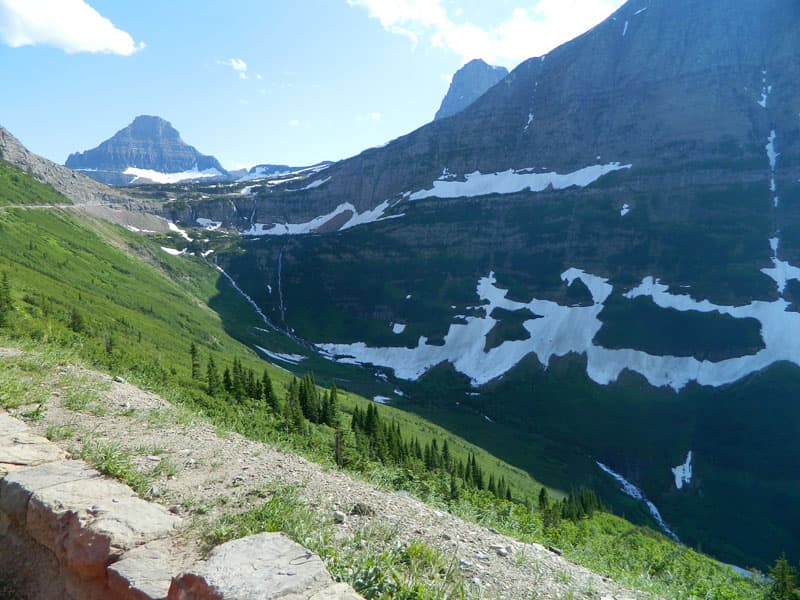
[[253, 81]]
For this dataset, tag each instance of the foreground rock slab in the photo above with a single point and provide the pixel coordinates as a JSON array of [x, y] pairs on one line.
[[259, 567]]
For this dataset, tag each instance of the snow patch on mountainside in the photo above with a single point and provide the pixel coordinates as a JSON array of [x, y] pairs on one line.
[[178, 230], [292, 359], [158, 177], [683, 473], [511, 181], [356, 218], [316, 183], [782, 272], [560, 330], [209, 224]]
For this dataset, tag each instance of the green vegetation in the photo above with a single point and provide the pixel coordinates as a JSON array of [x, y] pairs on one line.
[[370, 560], [18, 188], [100, 295], [113, 461]]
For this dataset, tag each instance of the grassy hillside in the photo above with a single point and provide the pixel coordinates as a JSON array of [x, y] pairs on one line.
[[97, 293], [18, 188]]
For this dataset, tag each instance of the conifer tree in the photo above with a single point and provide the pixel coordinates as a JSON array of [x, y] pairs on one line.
[[454, 491], [784, 581], [227, 381], [212, 378], [5, 299], [195, 358], [544, 499], [446, 458], [332, 416], [269, 392]]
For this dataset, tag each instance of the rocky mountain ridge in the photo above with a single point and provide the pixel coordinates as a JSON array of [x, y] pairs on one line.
[[469, 83], [79, 188]]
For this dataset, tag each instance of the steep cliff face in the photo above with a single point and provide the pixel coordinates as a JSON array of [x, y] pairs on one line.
[[149, 143], [469, 83]]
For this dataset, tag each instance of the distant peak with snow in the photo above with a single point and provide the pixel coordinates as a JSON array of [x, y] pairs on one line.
[[149, 149]]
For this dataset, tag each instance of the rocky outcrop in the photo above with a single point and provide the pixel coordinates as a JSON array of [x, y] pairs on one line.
[[469, 83], [68, 532], [79, 188], [264, 565], [148, 143]]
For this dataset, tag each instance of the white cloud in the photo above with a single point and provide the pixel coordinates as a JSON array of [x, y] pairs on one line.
[[532, 30], [71, 25], [374, 116], [294, 123], [237, 64]]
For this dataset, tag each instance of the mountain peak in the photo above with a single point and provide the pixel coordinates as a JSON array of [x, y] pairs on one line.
[[151, 125], [149, 144], [469, 83]]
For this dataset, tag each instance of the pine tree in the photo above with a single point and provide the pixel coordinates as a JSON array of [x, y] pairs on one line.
[[195, 358], [269, 392], [212, 378], [454, 491], [5, 299], [332, 416], [544, 499], [227, 381], [784, 581], [338, 446], [356, 424]]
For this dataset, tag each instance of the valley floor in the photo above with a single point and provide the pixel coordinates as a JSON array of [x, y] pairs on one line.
[[206, 473]]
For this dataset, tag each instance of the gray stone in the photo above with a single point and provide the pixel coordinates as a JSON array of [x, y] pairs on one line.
[[338, 517], [144, 573], [19, 447], [17, 487], [86, 520], [259, 567]]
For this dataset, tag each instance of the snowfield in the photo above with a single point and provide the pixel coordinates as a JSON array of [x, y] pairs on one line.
[[561, 330], [312, 226], [511, 181], [158, 177]]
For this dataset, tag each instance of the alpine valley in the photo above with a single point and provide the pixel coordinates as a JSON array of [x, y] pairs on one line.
[[592, 271], [589, 271]]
